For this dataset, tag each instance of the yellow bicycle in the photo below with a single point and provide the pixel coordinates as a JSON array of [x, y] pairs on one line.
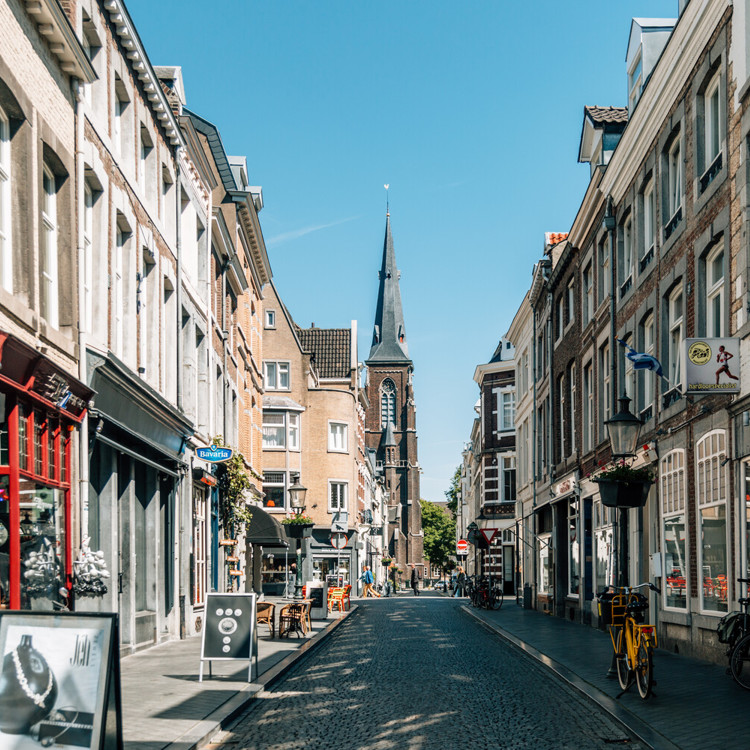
[[624, 610]]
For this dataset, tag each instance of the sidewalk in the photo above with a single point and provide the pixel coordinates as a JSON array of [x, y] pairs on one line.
[[696, 706], [163, 704]]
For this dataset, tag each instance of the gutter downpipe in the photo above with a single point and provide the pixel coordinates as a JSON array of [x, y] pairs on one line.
[[182, 504], [83, 445]]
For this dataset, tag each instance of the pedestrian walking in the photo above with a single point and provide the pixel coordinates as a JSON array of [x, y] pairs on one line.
[[460, 583], [367, 579], [414, 579]]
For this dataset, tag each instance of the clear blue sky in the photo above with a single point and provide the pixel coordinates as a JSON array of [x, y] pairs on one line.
[[471, 111]]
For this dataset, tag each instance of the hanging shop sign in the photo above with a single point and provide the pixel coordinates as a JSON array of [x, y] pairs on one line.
[[230, 632], [60, 681], [712, 366], [214, 454]]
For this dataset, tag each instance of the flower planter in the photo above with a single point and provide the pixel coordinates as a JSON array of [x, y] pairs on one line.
[[386, 563], [298, 530], [619, 494]]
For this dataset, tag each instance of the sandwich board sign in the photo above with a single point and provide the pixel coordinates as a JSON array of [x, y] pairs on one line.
[[230, 632]]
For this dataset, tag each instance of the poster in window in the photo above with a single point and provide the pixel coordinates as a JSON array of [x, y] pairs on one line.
[[59, 681], [712, 366]]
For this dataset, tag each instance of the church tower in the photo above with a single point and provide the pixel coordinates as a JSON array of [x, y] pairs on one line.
[[390, 426]]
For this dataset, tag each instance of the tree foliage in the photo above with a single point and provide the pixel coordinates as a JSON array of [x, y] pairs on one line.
[[439, 533], [233, 481], [453, 492]]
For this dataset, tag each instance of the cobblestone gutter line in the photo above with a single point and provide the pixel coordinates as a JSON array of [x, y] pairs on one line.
[[206, 731], [623, 716]]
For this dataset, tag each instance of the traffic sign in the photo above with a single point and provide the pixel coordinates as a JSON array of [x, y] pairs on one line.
[[488, 534], [462, 547], [339, 541]]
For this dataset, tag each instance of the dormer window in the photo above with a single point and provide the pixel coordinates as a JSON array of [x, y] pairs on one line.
[[635, 82]]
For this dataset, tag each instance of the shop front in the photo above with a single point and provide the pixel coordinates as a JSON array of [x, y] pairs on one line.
[[138, 485], [40, 408]]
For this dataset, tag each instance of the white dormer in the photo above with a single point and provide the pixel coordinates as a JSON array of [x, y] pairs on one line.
[[648, 36]]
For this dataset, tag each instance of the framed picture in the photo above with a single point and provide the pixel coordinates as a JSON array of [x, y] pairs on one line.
[[59, 681]]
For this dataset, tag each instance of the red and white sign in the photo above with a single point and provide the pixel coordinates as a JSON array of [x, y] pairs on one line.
[[488, 534], [462, 546], [339, 541]]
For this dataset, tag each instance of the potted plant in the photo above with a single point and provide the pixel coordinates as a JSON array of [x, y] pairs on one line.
[[622, 486], [386, 561], [298, 526]]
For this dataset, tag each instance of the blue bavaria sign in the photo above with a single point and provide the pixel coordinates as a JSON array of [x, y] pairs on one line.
[[214, 454]]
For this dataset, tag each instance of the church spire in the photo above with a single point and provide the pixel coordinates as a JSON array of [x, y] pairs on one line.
[[389, 333]]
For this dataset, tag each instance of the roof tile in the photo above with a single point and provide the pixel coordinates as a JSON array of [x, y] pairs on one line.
[[331, 348]]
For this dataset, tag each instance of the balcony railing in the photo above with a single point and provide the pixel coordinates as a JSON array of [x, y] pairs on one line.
[[625, 288], [673, 222], [671, 397], [646, 259], [711, 172], [647, 413]]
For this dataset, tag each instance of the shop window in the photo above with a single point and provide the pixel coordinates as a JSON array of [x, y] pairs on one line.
[[711, 490], [199, 541], [604, 542], [574, 550], [49, 308], [672, 492], [38, 443], [4, 541]]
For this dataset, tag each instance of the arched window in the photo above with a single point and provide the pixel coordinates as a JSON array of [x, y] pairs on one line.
[[387, 403]]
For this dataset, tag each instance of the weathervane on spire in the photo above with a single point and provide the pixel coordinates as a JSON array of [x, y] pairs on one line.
[[387, 207]]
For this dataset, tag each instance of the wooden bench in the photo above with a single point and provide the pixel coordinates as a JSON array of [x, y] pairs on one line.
[[266, 615]]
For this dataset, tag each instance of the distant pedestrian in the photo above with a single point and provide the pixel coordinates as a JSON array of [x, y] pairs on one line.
[[367, 579], [414, 579], [460, 583]]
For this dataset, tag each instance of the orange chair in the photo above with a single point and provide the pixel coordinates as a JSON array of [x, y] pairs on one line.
[[339, 596]]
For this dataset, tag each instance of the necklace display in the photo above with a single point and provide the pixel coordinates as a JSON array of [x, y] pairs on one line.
[[38, 698]]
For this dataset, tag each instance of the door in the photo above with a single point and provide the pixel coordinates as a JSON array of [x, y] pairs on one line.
[[124, 577]]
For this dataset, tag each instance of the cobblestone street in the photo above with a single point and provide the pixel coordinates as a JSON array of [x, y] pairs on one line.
[[418, 674]]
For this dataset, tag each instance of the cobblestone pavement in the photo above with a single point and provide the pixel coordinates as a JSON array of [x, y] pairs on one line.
[[417, 674]]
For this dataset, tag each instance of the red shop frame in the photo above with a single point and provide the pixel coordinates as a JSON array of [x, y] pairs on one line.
[[39, 468]]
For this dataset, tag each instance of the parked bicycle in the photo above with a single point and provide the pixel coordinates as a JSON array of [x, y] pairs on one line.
[[624, 611], [734, 630], [485, 596]]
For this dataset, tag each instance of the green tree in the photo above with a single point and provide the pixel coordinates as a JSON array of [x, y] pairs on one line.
[[439, 533], [453, 492]]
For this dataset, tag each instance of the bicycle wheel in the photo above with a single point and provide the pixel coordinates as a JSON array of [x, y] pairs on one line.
[[739, 662], [644, 670], [624, 675], [497, 599]]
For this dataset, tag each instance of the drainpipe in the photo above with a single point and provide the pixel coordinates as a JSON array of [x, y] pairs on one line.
[[224, 336], [83, 445]]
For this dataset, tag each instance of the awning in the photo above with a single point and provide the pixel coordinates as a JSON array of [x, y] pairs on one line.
[[265, 529]]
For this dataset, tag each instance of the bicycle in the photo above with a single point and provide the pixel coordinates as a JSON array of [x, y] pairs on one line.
[[633, 640], [734, 630]]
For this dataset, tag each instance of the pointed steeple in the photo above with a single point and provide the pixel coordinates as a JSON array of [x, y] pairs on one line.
[[389, 333]]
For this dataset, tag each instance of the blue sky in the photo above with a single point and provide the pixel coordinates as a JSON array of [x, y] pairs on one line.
[[470, 111]]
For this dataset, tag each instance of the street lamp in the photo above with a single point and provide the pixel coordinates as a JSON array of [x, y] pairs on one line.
[[297, 494], [623, 430]]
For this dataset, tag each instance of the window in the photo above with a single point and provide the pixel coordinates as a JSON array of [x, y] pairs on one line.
[[338, 496], [6, 251], [714, 269], [605, 270], [711, 491], [712, 122], [604, 544], [274, 490], [338, 437], [147, 160], [674, 545], [276, 376], [563, 413], [88, 258], [627, 372], [280, 430], [588, 293], [605, 375], [387, 403], [649, 225], [574, 550], [635, 82], [572, 407], [647, 378], [117, 291], [509, 479], [48, 260], [626, 277], [675, 335], [560, 317], [270, 318], [588, 408], [673, 186], [507, 410], [199, 546], [120, 124], [570, 304]]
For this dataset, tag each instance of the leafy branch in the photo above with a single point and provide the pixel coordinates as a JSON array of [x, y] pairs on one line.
[[233, 482]]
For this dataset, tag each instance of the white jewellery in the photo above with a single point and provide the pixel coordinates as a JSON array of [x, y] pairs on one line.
[[24, 683]]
